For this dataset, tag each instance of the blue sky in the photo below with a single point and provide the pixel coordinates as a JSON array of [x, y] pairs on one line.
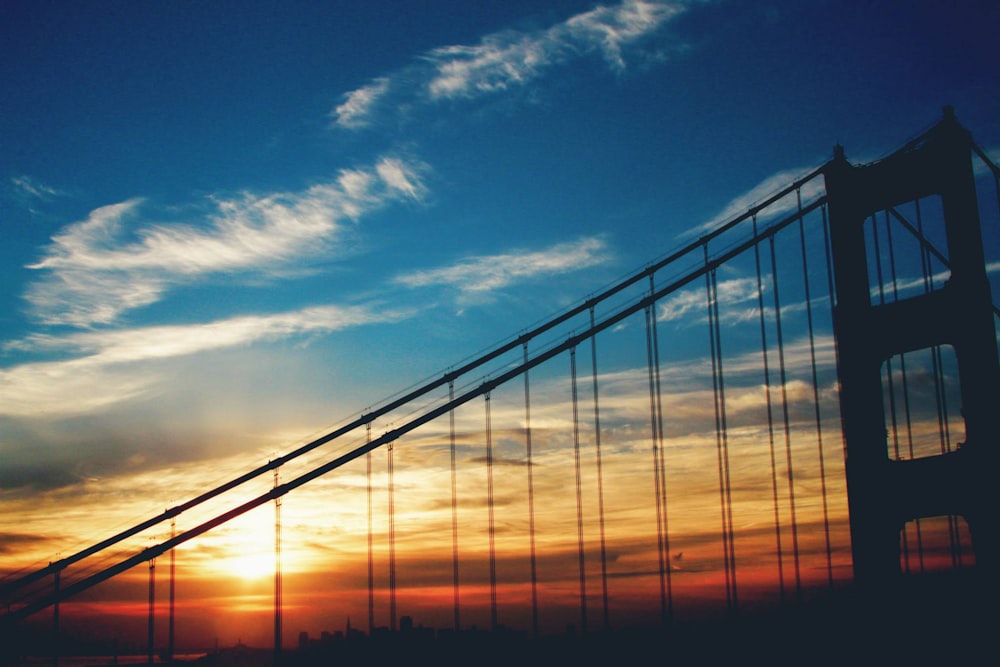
[[227, 225]]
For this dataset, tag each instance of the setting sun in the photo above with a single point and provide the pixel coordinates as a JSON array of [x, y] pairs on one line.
[[251, 566]]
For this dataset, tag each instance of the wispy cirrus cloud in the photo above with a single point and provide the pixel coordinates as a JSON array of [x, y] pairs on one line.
[[508, 59], [738, 300], [353, 112], [759, 194], [484, 273], [115, 260], [692, 305], [30, 187], [104, 373]]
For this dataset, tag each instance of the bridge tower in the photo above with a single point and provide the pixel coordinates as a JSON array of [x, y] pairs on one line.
[[884, 494]]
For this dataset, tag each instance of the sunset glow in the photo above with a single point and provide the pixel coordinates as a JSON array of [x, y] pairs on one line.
[[236, 237]]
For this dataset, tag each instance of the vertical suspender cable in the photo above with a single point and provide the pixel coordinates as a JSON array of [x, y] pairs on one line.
[[788, 432], [600, 475], [903, 380], [659, 455], [454, 507], [724, 432], [173, 574], [718, 439], [489, 504], [579, 494], [720, 436], [277, 574], [152, 611], [531, 499], [815, 383], [664, 565], [56, 639], [392, 542], [371, 551], [725, 438], [770, 419], [56, 642]]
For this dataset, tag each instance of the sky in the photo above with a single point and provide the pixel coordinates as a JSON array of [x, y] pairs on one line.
[[228, 226]]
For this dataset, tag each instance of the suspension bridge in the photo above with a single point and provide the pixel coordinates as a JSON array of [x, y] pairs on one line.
[[796, 407]]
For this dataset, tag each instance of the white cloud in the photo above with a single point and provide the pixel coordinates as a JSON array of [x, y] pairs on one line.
[[106, 374], [66, 388], [507, 59], [761, 192], [113, 261], [358, 103], [491, 272], [400, 177], [611, 28], [32, 188], [492, 66], [730, 293]]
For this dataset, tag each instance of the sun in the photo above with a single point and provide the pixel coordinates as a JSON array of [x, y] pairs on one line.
[[244, 548], [251, 566]]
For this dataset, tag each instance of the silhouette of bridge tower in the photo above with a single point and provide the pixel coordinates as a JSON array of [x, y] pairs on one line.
[[884, 494]]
